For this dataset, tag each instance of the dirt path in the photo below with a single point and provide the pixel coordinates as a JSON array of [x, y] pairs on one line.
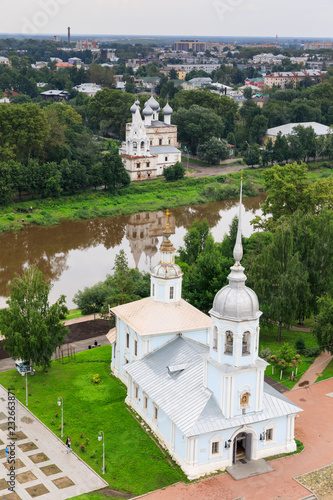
[[208, 171]]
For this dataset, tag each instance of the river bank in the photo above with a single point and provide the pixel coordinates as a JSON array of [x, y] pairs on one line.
[[145, 196]]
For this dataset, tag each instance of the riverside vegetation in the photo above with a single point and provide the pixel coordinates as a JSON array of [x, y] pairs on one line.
[[149, 196]]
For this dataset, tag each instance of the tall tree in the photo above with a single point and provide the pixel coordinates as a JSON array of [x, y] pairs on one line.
[[194, 241], [323, 328], [31, 326], [280, 280]]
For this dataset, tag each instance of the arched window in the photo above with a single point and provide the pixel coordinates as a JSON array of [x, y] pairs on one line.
[[246, 343], [215, 338], [229, 342], [134, 145], [142, 144]]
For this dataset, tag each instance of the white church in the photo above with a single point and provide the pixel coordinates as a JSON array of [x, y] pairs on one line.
[[151, 145], [197, 380]]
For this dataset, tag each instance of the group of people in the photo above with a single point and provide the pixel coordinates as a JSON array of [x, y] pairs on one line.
[[68, 444]]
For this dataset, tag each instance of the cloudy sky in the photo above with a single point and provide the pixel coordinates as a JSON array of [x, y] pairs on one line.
[[295, 18]]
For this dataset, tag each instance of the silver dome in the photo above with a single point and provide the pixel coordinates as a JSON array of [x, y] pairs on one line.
[[167, 110], [133, 108], [236, 304], [153, 104], [166, 271], [147, 111]]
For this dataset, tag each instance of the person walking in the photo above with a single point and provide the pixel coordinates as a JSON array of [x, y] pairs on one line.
[[68, 443], [7, 453]]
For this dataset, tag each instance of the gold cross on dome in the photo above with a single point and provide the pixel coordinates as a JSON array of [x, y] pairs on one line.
[[167, 213]]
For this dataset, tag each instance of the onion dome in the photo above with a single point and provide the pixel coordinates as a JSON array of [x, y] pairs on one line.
[[167, 110], [166, 268], [153, 104], [137, 103], [235, 301], [133, 108], [147, 111]]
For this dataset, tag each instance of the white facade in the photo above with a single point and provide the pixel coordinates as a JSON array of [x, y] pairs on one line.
[[197, 380], [150, 145]]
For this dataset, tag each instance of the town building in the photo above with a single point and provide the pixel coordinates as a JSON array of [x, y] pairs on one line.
[[318, 45], [150, 145], [255, 82], [5, 61], [89, 89], [292, 77], [87, 45], [288, 128], [197, 380], [55, 95], [207, 67], [197, 83], [186, 45]]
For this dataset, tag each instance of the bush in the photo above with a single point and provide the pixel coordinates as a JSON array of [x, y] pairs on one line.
[[311, 352], [265, 353], [300, 345], [175, 172], [10, 217], [96, 379]]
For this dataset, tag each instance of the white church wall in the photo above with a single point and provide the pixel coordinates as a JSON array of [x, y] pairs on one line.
[[198, 335]]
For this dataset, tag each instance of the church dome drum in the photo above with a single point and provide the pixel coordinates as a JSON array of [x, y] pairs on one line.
[[237, 303]]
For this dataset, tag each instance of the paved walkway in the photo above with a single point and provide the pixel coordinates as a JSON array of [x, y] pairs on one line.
[[42, 465], [314, 371], [314, 428]]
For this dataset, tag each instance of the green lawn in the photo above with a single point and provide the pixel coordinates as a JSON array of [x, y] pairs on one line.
[[268, 336], [134, 463], [327, 373], [74, 313]]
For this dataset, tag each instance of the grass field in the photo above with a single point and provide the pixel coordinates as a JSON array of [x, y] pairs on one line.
[[327, 373], [134, 463], [73, 314]]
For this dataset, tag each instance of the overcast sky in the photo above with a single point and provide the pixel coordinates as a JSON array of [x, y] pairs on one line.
[[292, 18]]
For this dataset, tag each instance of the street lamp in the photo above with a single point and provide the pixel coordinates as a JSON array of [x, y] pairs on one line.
[[26, 387], [101, 438], [61, 403]]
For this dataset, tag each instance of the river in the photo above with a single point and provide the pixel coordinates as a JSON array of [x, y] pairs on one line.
[[76, 254]]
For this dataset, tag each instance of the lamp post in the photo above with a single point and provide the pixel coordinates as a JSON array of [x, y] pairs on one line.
[[101, 438], [26, 388], [61, 403]]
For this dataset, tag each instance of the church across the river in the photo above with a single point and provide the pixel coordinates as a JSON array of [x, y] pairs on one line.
[[151, 145]]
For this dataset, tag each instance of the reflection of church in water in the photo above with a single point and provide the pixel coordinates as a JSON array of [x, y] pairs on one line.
[[142, 232]]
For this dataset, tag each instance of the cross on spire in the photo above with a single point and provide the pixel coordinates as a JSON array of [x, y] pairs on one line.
[[167, 213]]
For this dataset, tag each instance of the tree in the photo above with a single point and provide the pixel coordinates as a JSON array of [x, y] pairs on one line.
[[206, 277], [113, 172], [197, 124], [31, 326], [124, 285], [323, 328], [252, 156], [280, 149], [280, 279], [213, 150], [194, 241], [175, 172], [173, 74], [258, 128], [247, 92]]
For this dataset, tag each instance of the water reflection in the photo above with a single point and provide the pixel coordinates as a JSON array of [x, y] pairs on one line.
[[76, 254]]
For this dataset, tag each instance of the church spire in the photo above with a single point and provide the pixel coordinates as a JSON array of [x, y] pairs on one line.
[[238, 248]]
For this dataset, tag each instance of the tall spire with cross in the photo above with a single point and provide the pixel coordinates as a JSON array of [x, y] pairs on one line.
[[238, 248]]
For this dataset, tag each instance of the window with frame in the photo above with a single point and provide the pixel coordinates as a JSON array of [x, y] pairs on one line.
[[229, 343], [138, 165], [153, 290], [145, 402], [215, 338], [160, 142], [127, 340], [269, 434], [148, 164], [135, 347], [166, 158], [246, 344], [155, 412], [171, 292], [215, 447], [136, 391], [114, 350]]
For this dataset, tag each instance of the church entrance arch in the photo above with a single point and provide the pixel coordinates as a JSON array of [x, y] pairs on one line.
[[242, 447]]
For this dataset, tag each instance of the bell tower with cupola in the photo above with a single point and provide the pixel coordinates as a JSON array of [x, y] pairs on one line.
[[166, 276], [234, 371]]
